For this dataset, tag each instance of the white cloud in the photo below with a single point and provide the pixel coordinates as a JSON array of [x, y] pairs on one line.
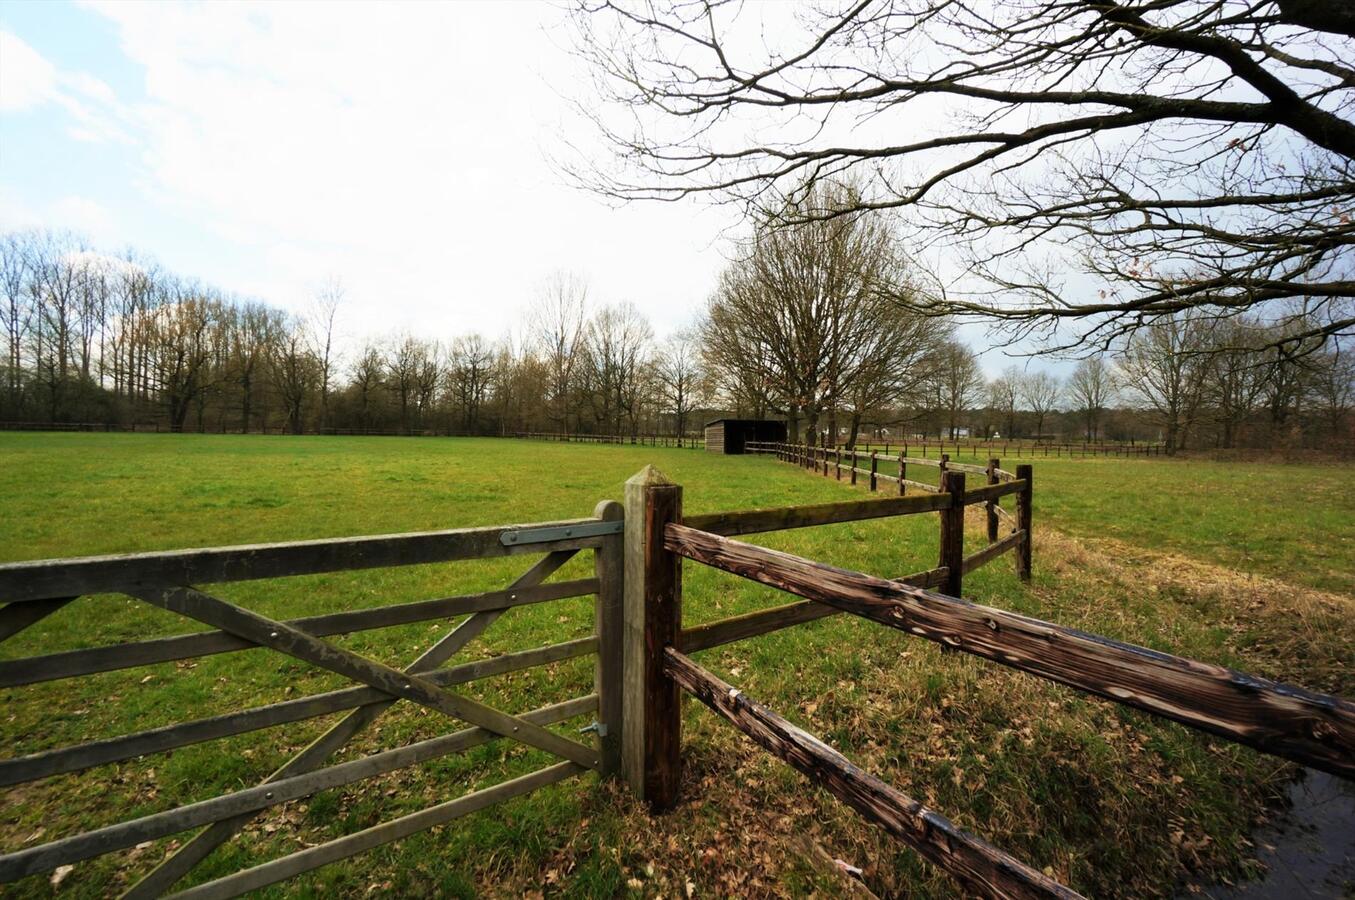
[[399, 147], [26, 79]]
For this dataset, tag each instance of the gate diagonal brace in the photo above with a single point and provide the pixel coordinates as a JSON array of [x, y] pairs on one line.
[[293, 642], [159, 880]]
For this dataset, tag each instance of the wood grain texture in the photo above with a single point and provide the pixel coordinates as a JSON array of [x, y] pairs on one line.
[[160, 879], [71, 663], [1314, 729], [992, 551], [1025, 521], [653, 616], [45, 857], [45, 579], [277, 870], [157, 740], [993, 491], [990, 508], [980, 867], [753, 521], [609, 611], [952, 532]]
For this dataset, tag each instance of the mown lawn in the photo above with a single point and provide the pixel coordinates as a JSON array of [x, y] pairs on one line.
[[1245, 564]]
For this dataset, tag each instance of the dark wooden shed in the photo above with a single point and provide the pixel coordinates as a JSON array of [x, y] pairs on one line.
[[729, 436]]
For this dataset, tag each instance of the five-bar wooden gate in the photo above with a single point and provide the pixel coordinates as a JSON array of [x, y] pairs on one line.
[[167, 580]]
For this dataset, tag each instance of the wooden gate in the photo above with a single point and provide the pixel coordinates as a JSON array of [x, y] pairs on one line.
[[167, 580]]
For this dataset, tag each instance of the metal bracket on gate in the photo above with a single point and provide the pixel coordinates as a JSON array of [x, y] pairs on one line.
[[599, 727], [559, 533]]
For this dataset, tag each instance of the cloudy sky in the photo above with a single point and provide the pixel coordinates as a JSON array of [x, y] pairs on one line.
[[402, 148]]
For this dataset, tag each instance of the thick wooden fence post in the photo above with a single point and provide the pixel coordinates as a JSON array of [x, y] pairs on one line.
[[874, 469], [993, 465], [837, 463], [1023, 522], [651, 737], [853, 465], [952, 532], [903, 473], [609, 612]]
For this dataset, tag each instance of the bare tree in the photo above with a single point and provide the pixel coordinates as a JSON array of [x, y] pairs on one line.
[[804, 313], [1004, 393], [256, 330], [1182, 155], [1091, 387], [405, 358], [616, 349], [957, 384], [15, 310], [889, 365], [320, 333], [678, 369], [558, 333], [295, 373], [1237, 376], [468, 377], [1333, 387], [1164, 366], [1041, 393], [181, 350]]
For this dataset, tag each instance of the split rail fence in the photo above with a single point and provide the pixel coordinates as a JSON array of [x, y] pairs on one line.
[[643, 667], [1314, 729]]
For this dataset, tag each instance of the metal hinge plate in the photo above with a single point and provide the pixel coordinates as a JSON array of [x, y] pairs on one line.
[[559, 533]]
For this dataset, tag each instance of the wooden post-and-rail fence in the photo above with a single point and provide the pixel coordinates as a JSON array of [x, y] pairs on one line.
[[1314, 729], [643, 665]]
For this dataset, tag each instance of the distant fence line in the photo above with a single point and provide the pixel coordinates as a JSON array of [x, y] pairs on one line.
[[1012, 448]]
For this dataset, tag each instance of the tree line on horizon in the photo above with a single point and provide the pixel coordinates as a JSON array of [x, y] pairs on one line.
[[803, 325]]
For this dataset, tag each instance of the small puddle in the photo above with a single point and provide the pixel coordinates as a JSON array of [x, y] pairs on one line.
[[1308, 850]]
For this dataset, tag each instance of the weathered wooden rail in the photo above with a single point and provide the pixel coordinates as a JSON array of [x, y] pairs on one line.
[[166, 580], [949, 494], [1310, 728]]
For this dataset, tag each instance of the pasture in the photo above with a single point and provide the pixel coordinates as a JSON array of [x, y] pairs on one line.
[[1250, 565]]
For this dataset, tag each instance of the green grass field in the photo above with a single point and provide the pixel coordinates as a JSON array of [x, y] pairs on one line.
[[1250, 565]]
